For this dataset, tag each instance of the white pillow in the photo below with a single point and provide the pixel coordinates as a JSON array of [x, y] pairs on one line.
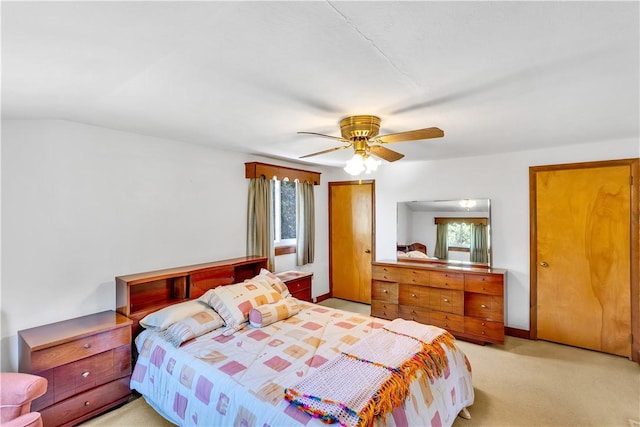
[[267, 314], [190, 327], [271, 281], [233, 302], [163, 318]]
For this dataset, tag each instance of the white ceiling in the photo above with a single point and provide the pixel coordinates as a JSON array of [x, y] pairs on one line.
[[246, 76]]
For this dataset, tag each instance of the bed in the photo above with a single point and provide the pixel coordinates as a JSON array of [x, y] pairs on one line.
[[239, 372], [413, 251]]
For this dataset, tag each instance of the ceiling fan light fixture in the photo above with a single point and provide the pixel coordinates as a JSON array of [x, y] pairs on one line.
[[371, 164], [361, 163], [355, 166]]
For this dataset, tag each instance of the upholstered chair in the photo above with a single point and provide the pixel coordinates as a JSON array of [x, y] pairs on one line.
[[17, 390]]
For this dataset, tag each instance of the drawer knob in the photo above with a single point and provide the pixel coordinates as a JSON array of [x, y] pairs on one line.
[[484, 324], [483, 306], [414, 295], [85, 374], [446, 300], [87, 345], [87, 403], [483, 332], [384, 291]]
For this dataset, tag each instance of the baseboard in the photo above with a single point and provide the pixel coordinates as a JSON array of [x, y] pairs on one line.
[[518, 333], [321, 298]]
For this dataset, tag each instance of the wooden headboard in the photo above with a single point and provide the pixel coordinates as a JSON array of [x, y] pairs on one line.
[[413, 247], [142, 293]]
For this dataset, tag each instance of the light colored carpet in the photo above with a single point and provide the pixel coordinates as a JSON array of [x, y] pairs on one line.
[[520, 383]]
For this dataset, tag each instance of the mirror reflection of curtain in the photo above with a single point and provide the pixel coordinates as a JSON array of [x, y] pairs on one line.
[[305, 223], [478, 247], [260, 228], [441, 250]]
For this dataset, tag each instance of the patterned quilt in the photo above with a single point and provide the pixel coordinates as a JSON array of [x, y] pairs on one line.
[[241, 379]]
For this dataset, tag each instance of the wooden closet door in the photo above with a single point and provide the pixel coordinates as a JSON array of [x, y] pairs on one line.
[[351, 222], [583, 257]]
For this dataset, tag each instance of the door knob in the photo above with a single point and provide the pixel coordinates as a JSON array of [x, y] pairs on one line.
[[544, 264], [367, 251]]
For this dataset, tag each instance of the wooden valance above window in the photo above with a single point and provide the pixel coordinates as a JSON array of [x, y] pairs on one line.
[[257, 169], [448, 220]]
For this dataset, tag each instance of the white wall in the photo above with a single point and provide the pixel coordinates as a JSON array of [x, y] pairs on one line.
[[83, 204], [502, 178]]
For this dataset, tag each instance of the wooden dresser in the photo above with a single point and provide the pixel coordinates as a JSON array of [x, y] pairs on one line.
[[87, 361], [468, 302], [299, 283]]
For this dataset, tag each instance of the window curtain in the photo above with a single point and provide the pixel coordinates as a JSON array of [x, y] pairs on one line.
[[441, 251], [478, 247], [260, 228], [305, 223]]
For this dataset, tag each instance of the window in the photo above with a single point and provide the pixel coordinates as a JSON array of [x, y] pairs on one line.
[[284, 206], [459, 236]]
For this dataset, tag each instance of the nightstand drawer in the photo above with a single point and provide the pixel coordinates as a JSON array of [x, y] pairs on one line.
[[62, 354], [87, 373], [298, 283], [298, 286], [82, 406]]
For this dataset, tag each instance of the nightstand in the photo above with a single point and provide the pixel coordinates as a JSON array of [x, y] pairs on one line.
[[87, 361], [298, 282]]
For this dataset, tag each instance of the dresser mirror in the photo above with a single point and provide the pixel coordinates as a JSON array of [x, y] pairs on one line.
[[451, 232]]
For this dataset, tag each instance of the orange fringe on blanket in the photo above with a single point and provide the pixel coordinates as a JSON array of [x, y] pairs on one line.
[[392, 393]]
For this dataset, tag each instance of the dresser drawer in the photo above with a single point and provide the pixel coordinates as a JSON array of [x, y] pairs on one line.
[[445, 300], [399, 274], [384, 310], [446, 280], [86, 403], [87, 373], [448, 321], [384, 291], [388, 274], [67, 380], [414, 295], [492, 284], [484, 306], [417, 314], [484, 329], [62, 354]]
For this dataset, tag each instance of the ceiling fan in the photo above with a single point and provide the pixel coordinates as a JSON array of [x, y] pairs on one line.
[[361, 133]]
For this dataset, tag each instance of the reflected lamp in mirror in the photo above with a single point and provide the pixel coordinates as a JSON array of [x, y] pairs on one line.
[[453, 232]]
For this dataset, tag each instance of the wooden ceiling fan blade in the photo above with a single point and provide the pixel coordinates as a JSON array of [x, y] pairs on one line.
[[384, 153], [412, 135], [339, 138], [325, 151]]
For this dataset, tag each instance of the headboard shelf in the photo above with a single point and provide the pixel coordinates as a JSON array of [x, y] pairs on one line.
[[142, 293]]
